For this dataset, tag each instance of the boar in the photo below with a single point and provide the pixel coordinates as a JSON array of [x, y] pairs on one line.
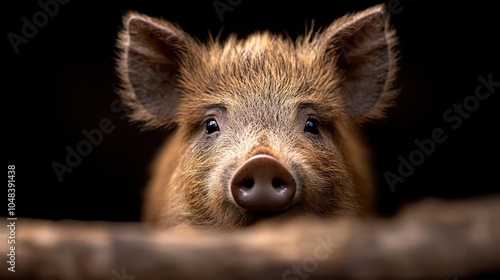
[[263, 126]]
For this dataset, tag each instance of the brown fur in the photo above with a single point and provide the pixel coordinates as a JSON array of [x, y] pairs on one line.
[[260, 90]]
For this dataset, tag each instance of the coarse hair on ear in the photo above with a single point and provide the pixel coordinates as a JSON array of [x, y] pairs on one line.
[[150, 54], [361, 47]]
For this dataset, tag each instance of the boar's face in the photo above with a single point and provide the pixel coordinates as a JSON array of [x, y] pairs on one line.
[[268, 125]]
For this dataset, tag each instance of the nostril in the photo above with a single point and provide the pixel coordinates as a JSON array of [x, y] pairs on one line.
[[249, 183], [277, 183]]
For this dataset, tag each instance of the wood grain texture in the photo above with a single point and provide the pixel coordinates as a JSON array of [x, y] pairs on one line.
[[429, 240]]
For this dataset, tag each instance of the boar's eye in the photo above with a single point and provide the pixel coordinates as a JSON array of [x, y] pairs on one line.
[[311, 126], [212, 126]]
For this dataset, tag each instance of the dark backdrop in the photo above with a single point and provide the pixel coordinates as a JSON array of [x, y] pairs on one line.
[[61, 81]]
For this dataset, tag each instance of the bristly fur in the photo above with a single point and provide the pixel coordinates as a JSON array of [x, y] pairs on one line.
[[261, 90], [391, 89], [258, 41], [126, 89]]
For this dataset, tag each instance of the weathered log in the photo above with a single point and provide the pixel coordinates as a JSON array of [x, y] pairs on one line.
[[430, 240]]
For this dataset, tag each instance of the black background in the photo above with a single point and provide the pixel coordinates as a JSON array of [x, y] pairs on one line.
[[62, 81]]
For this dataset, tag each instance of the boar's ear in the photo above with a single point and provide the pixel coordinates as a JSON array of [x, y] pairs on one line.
[[150, 55], [361, 47]]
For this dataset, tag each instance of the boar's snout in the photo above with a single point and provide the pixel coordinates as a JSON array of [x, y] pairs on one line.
[[263, 184]]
